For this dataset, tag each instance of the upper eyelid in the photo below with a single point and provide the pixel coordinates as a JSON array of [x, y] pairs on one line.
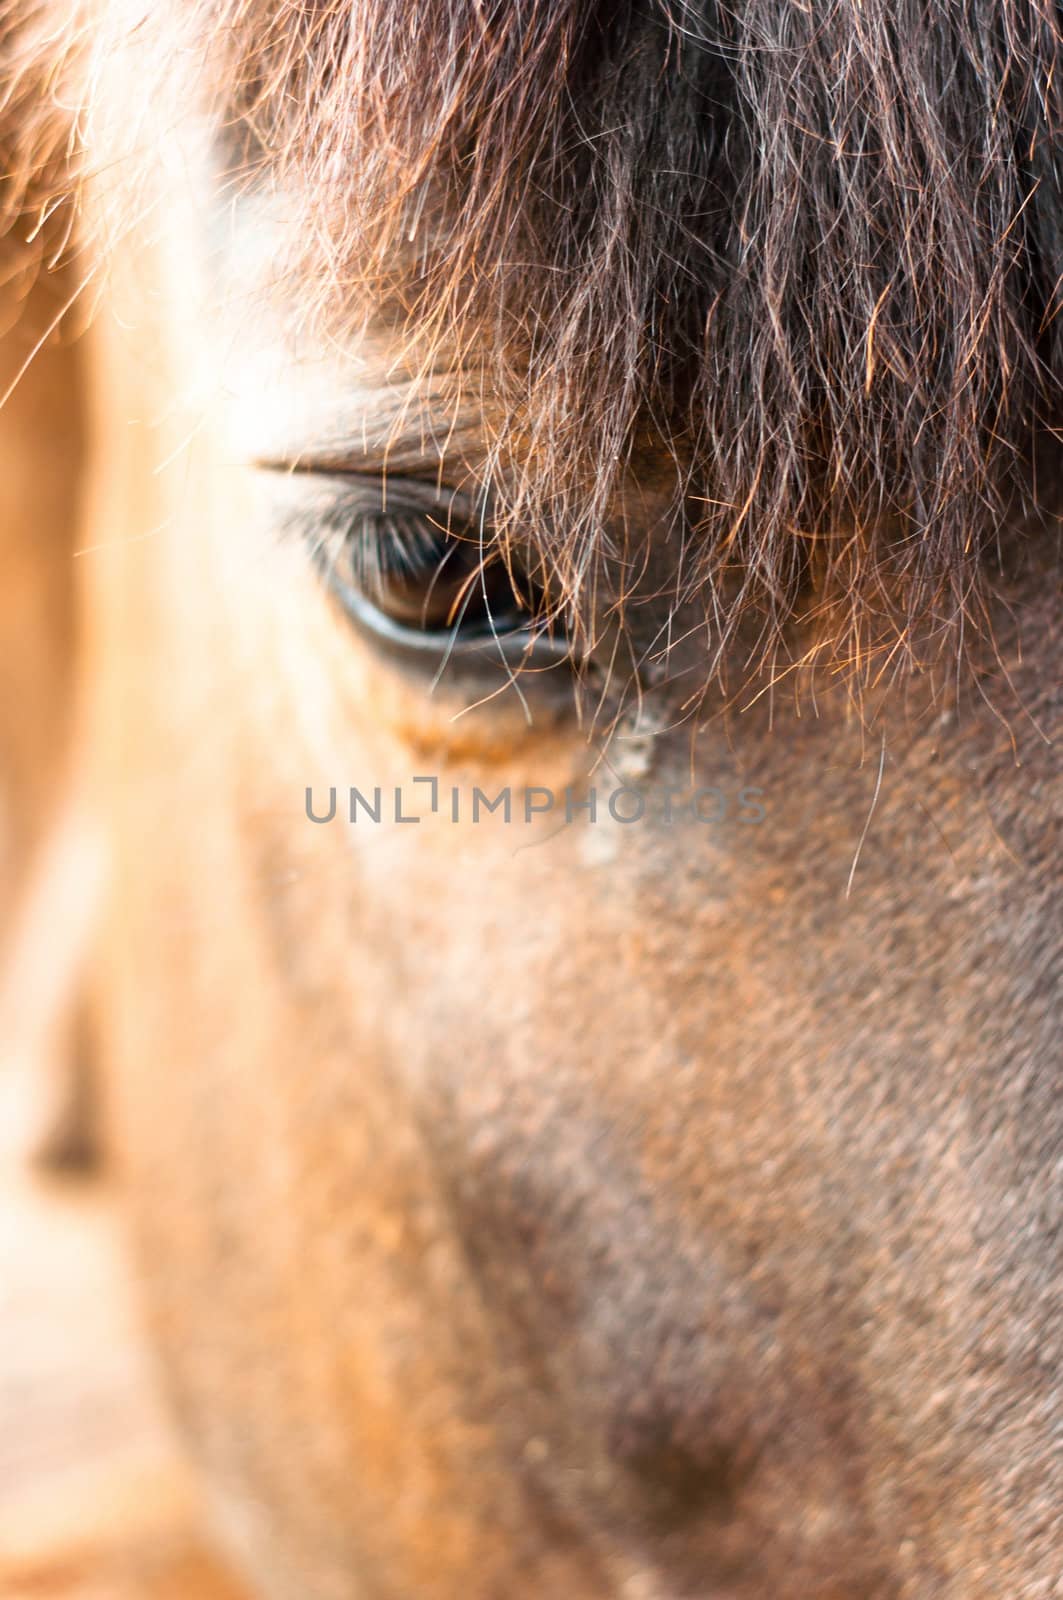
[[380, 490], [333, 513], [324, 510]]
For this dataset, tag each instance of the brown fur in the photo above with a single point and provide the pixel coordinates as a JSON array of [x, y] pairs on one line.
[[600, 1212]]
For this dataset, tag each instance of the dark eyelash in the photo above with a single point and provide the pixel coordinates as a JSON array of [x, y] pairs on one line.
[[382, 544], [411, 529]]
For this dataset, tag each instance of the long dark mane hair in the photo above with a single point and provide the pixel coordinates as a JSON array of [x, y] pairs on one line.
[[800, 260]]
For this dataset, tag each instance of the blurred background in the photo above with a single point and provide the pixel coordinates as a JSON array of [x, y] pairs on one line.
[[93, 1500]]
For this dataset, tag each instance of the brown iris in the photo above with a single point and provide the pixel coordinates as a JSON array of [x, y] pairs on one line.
[[423, 573]]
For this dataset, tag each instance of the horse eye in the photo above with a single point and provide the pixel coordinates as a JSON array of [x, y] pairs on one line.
[[416, 567], [422, 574]]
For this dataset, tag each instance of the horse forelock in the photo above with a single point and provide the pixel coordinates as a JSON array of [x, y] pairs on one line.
[[798, 264]]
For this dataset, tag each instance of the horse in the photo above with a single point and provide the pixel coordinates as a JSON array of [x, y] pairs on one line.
[[567, 517]]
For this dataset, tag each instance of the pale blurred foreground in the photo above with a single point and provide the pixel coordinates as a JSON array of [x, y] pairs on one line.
[[93, 1502]]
